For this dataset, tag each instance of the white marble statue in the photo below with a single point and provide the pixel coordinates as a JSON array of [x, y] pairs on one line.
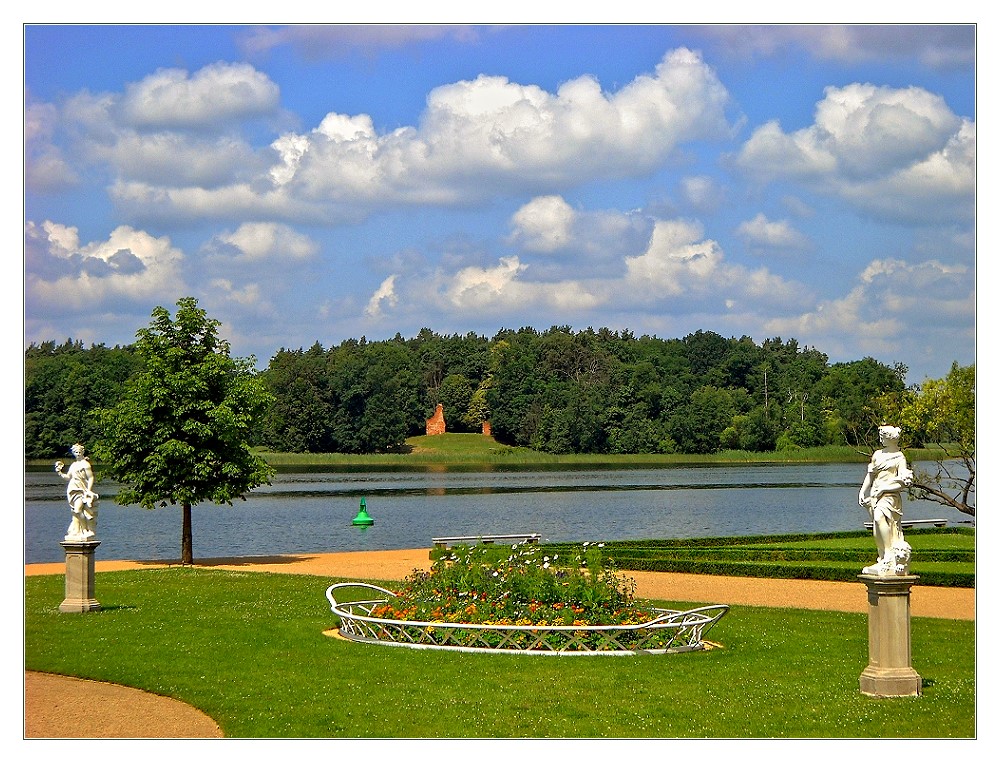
[[888, 475], [81, 496]]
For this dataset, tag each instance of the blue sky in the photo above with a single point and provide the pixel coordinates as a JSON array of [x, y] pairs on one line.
[[326, 182]]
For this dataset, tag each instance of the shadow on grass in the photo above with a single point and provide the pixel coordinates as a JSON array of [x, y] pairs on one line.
[[251, 561], [229, 561]]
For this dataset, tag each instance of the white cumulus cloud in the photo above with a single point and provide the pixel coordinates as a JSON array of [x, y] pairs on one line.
[[384, 294], [680, 268], [576, 243], [269, 241], [45, 166], [473, 287], [220, 92], [169, 143], [66, 276], [892, 299], [677, 259], [762, 233], [479, 137], [901, 153], [544, 224]]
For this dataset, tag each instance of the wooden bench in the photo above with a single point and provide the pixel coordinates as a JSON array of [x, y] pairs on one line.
[[466, 540], [906, 523]]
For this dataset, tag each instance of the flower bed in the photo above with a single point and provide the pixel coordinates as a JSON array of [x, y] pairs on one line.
[[520, 600]]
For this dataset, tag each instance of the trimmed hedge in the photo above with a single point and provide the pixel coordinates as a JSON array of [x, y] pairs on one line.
[[783, 571], [747, 540], [757, 556], [786, 555]]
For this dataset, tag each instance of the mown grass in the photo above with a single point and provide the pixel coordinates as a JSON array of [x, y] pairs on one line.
[[471, 451], [458, 449], [248, 649]]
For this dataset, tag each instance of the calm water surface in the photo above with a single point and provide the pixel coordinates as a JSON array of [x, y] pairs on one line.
[[311, 512]]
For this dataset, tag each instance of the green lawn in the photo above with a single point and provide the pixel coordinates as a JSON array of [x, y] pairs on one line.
[[458, 449], [248, 649]]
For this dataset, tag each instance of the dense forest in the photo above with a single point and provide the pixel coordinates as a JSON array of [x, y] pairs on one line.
[[558, 391]]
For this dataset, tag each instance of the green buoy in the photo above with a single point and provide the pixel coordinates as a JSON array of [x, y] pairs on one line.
[[362, 519]]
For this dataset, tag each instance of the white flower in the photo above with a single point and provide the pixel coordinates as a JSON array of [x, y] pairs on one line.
[[545, 566]]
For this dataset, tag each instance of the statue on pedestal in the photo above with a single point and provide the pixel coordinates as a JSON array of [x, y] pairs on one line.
[[888, 475], [81, 496]]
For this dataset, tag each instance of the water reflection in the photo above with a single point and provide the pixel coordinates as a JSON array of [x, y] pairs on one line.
[[311, 511]]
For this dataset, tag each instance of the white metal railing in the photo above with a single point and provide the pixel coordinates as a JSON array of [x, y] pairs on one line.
[[467, 540], [671, 631]]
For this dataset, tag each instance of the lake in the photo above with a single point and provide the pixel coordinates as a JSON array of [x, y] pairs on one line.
[[311, 511]]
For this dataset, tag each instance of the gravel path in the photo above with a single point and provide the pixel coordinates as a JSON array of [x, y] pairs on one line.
[[59, 707]]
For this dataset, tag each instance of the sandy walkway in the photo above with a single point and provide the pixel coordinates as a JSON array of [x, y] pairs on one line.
[[54, 704], [60, 707]]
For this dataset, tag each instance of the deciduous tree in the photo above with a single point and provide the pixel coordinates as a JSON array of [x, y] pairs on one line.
[[943, 412], [180, 432]]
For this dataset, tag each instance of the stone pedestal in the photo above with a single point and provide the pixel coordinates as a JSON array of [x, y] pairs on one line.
[[80, 576], [889, 672]]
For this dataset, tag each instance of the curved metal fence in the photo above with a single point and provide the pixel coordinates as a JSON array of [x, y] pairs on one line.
[[670, 632]]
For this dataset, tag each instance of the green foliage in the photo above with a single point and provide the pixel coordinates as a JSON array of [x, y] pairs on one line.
[[859, 396], [248, 649], [698, 426], [179, 434], [556, 391], [456, 395], [944, 411], [62, 384]]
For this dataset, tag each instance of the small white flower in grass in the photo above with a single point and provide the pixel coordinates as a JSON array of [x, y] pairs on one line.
[[545, 566], [600, 545]]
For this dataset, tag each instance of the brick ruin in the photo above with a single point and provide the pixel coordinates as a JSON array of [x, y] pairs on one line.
[[436, 423]]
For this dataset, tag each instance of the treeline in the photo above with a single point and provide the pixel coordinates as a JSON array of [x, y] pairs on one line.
[[63, 383], [558, 391]]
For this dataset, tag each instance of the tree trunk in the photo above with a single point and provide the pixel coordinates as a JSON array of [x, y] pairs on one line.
[[187, 555]]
